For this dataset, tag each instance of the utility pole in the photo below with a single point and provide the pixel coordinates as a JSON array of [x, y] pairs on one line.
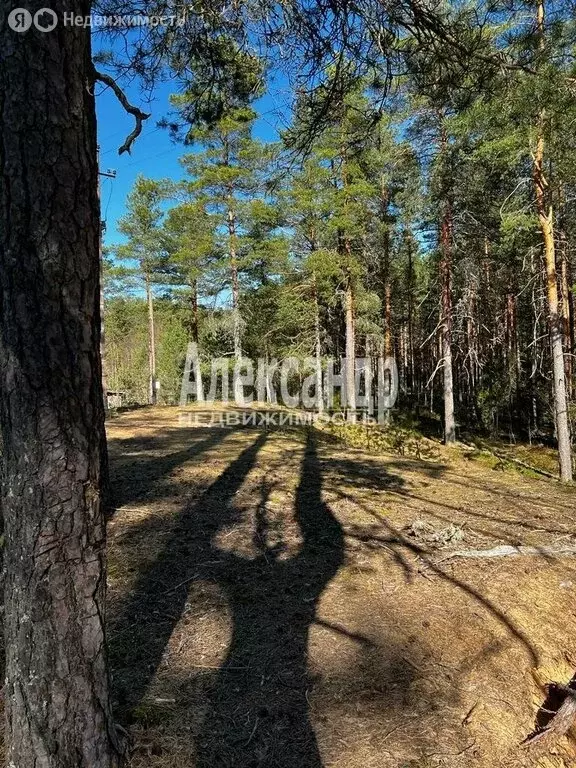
[[109, 174]]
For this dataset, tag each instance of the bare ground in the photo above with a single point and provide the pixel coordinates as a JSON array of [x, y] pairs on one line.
[[278, 599]]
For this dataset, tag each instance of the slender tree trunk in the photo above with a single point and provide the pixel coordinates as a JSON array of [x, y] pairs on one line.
[[350, 349], [566, 310], [535, 270], [345, 248], [318, 351], [151, 343], [388, 345], [446, 307], [546, 219], [103, 340], [58, 712], [194, 311], [105, 489], [446, 348], [410, 307], [236, 319], [385, 277], [472, 338]]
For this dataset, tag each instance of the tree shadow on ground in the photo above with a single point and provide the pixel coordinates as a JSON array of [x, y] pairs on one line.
[[399, 545], [257, 711], [140, 465], [251, 708]]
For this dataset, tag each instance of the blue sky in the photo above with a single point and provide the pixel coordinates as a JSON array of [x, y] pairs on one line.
[[153, 154]]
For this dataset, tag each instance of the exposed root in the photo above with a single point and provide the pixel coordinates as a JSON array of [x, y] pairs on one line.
[[561, 721], [509, 550]]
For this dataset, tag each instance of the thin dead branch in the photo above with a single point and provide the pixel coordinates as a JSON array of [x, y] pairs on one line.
[[138, 115]]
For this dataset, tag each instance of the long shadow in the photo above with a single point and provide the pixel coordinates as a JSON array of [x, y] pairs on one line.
[[137, 474], [398, 544], [142, 626], [396, 540], [257, 711], [371, 478], [513, 495]]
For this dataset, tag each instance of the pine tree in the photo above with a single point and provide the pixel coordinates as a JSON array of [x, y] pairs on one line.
[[145, 250], [228, 179]]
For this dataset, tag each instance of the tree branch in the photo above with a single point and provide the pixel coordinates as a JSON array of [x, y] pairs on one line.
[[138, 115]]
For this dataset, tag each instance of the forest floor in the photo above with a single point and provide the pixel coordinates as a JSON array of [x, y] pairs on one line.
[[278, 599]]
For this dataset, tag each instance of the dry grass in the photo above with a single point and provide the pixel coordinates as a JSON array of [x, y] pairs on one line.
[[279, 600], [273, 604]]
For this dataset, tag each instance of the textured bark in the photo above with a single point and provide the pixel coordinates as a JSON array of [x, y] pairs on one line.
[[51, 409], [546, 219]]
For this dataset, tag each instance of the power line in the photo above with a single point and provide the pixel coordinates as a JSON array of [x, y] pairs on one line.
[[144, 135]]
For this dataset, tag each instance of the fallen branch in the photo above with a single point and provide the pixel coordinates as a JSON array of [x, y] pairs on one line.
[[138, 115], [509, 550], [524, 465], [512, 460]]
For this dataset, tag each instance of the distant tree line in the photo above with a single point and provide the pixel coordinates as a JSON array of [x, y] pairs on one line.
[[437, 228]]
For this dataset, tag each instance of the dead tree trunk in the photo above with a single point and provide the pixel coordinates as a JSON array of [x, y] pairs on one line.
[[545, 213], [51, 407], [446, 305]]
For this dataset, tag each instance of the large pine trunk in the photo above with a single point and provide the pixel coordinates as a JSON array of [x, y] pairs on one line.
[[51, 406]]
